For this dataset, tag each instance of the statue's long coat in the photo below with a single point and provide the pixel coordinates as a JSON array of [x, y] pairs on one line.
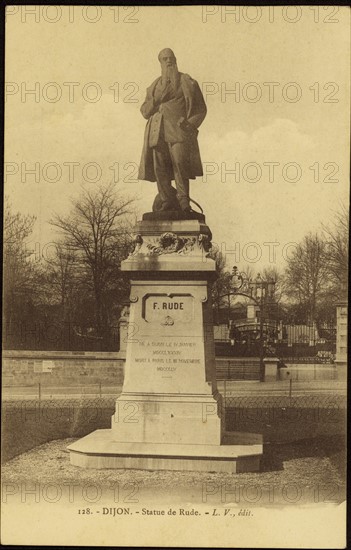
[[195, 112]]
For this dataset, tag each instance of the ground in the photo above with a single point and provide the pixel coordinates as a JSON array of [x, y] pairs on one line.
[[308, 471]]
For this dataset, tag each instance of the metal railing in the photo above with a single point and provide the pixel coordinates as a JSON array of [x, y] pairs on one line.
[[229, 388], [42, 391], [282, 393]]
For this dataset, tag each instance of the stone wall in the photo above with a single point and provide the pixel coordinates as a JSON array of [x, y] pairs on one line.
[[62, 368]]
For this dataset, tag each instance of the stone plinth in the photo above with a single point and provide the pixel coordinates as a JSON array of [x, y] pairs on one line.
[[341, 339], [238, 453], [271, 373], [169, 414], [171, 247]]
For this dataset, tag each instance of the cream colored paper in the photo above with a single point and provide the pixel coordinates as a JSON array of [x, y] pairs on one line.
[[275, 151]]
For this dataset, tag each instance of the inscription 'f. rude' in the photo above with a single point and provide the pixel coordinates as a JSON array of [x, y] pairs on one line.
[[170, 305]]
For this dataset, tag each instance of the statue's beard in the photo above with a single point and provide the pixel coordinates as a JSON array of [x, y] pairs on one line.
[[171, 74]]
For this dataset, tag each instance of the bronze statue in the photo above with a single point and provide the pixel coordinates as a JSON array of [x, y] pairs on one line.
[[174, 108]]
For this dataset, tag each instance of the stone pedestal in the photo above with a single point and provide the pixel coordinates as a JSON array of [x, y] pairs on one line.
[[169, 414], [341, 339], [271, 373]]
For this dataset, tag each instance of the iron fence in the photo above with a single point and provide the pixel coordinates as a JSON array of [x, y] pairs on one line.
[[46, 392], [231, 390], [336, 401]]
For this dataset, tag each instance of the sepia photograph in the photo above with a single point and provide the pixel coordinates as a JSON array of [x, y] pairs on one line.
[[175, 275]]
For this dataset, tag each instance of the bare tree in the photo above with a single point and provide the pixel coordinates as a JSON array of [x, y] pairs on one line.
[[17, 227], [20, 275], [249, 271], [273, 273], [307, 273], [61, 279], [337, 236], [97, 233]]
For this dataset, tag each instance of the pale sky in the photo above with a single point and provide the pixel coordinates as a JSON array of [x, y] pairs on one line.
[[291, 108]]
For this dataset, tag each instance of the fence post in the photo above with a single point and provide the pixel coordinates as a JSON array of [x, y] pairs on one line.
[[100, 390], [39, 391], [290, 388]]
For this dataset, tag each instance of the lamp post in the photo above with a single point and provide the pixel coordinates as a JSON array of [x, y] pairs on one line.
[[257, 292]]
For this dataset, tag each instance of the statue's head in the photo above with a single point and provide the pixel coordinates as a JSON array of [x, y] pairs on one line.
[[167, 58]]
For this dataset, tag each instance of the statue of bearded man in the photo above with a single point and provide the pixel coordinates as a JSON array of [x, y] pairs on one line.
[[174, 108]]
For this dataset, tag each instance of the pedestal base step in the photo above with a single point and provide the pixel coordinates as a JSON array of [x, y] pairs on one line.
[[240, 452]]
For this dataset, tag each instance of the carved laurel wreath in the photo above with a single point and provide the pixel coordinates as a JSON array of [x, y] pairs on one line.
[[169, 243]]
